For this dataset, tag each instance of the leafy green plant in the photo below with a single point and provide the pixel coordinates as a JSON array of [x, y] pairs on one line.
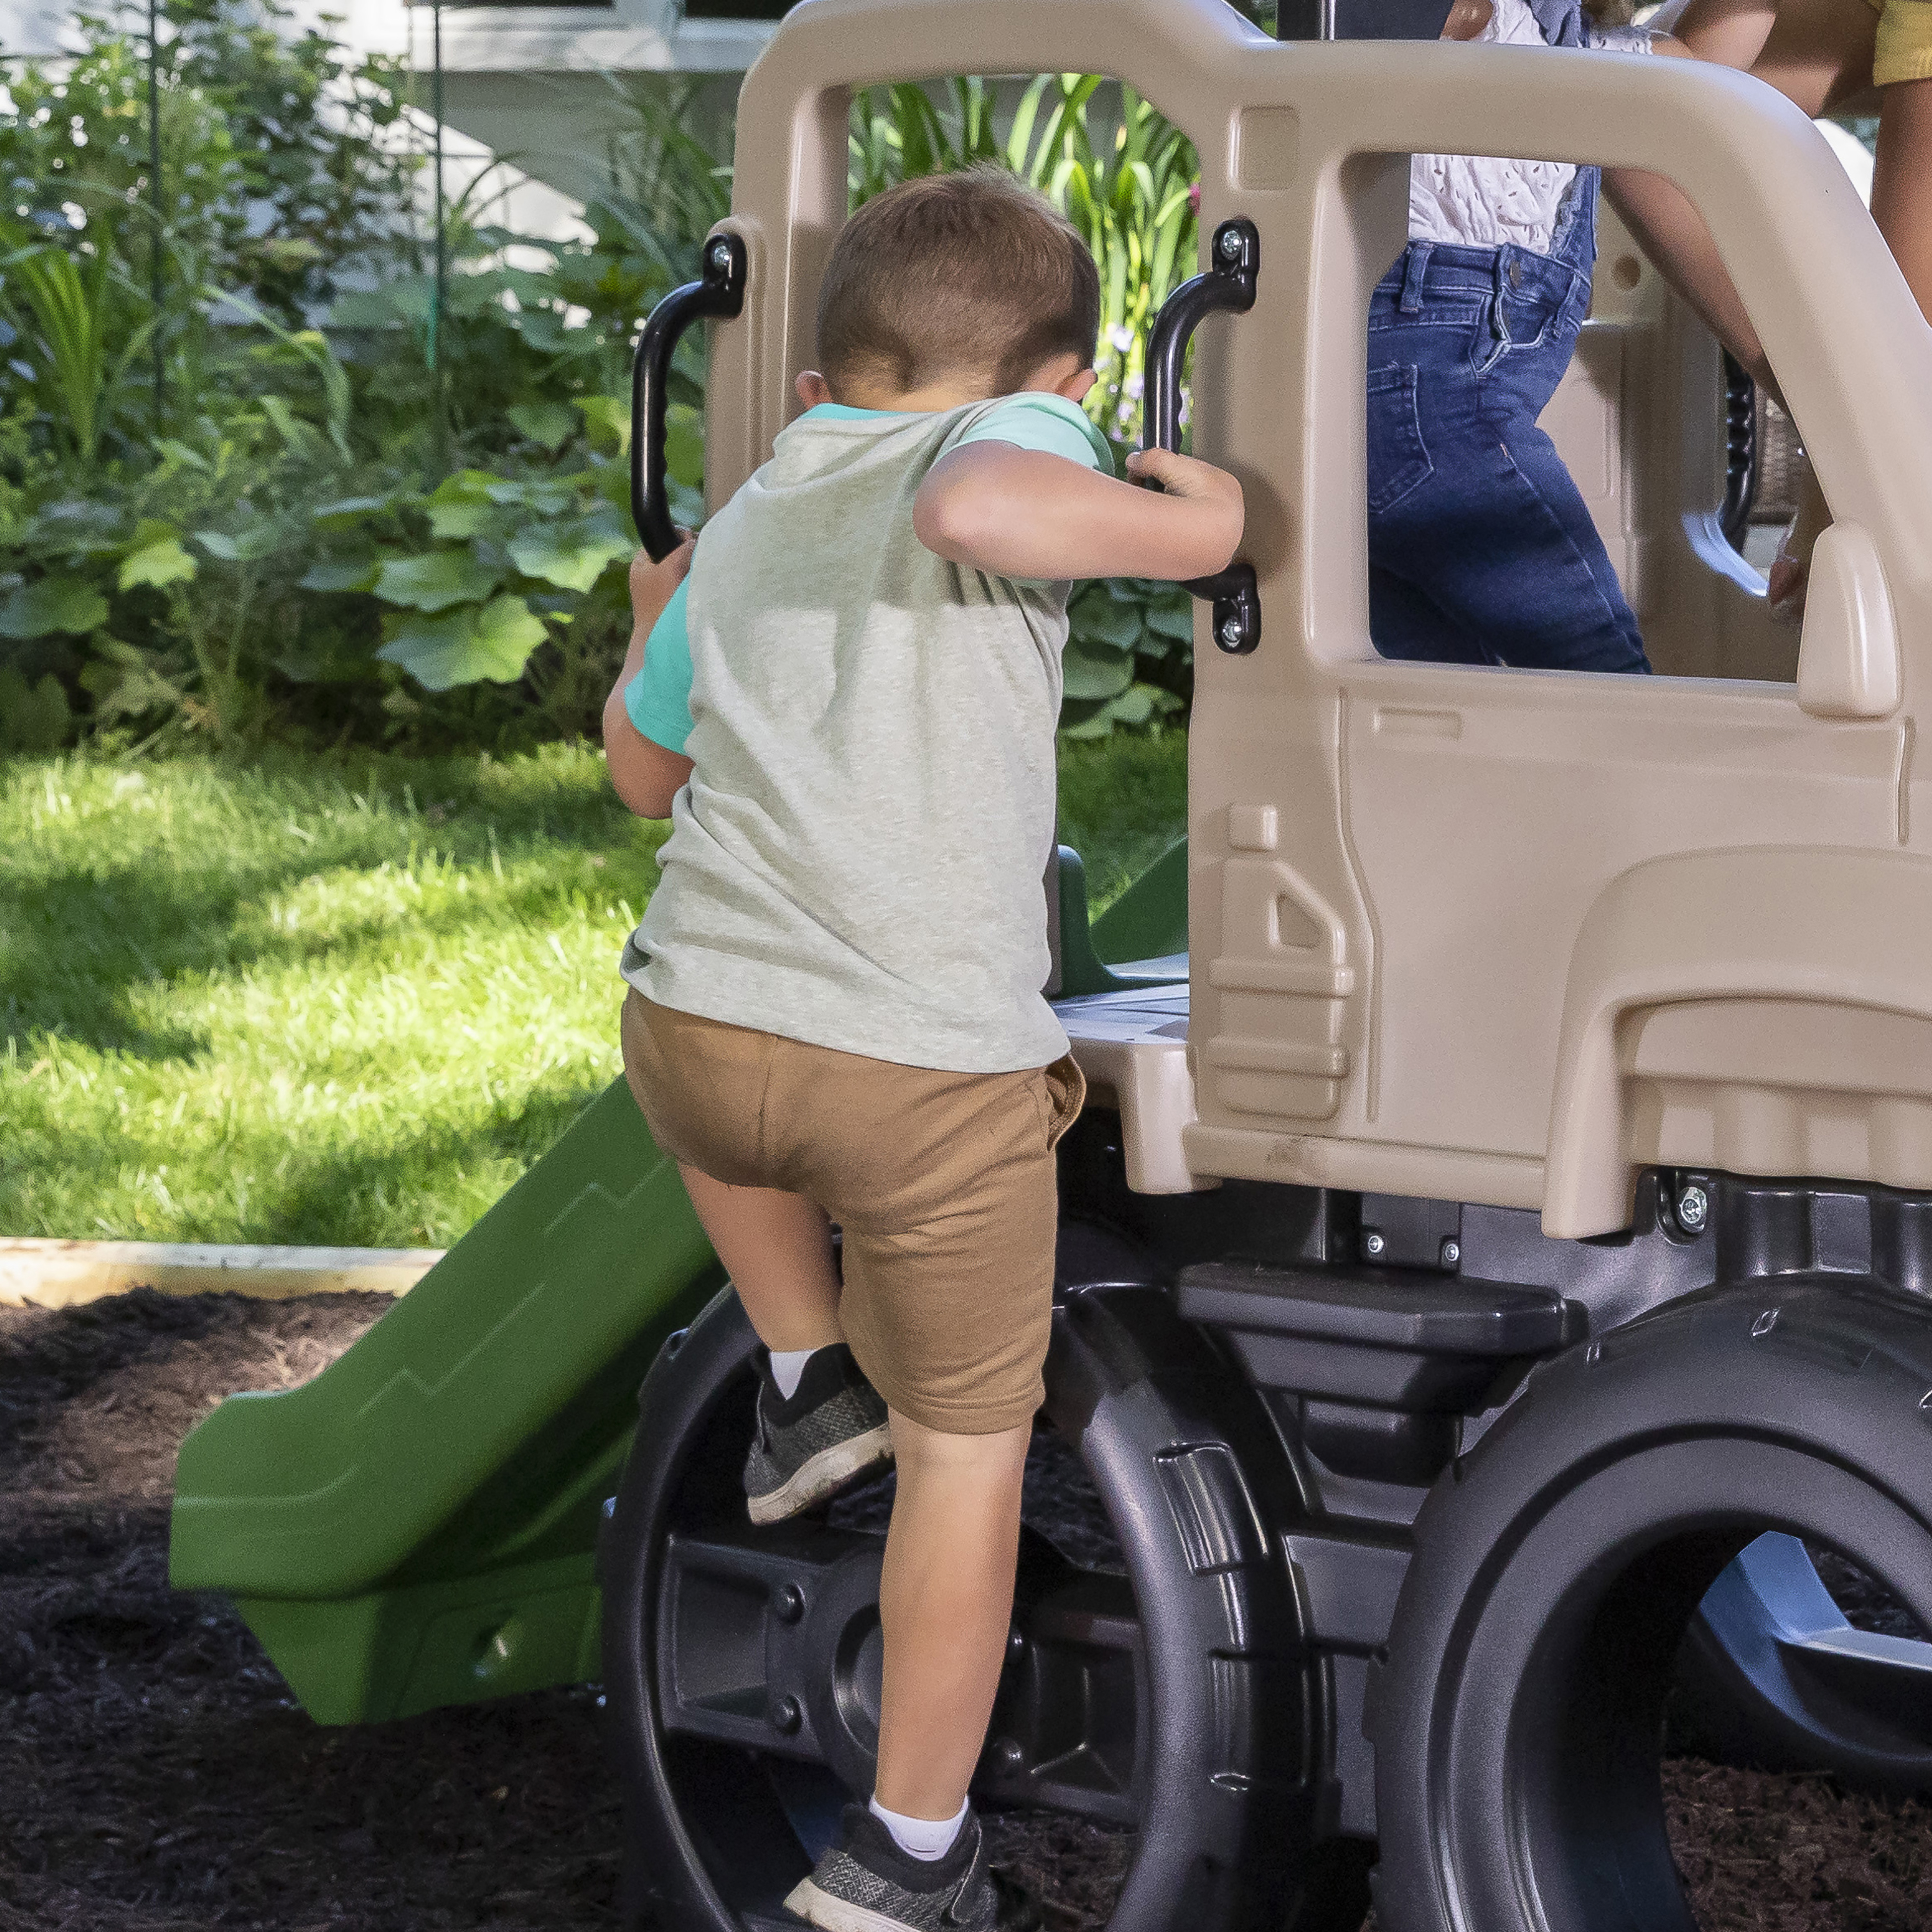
[[292, 537]]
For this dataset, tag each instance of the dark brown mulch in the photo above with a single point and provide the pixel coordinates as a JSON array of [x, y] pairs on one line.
[[156, 1777], [1797, 1854]]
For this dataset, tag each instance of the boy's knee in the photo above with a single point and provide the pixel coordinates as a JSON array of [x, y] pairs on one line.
[[995, 1457]]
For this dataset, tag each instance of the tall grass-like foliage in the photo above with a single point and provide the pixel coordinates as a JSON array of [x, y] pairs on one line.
[[1123, 173], [1125, 177], [65, 303]]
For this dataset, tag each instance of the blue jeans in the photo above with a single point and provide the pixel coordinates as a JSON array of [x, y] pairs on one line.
[[1481, 549]]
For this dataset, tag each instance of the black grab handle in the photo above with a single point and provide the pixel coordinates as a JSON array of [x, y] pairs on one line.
[[719, 292], [1741, 455], [1235, 262]]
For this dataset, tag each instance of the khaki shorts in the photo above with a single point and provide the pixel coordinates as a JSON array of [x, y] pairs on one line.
[[943, 1183], [1904, 49]]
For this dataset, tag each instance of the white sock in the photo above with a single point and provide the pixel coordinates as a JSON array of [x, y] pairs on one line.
[[927, 1838], [788, 1365]]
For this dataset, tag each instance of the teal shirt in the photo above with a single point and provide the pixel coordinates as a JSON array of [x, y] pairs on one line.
[[658, 698]]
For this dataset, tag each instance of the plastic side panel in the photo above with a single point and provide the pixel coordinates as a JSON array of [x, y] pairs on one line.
[[1793, 930], [324, 1491]]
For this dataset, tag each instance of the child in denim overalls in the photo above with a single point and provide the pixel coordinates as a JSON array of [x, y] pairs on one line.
[[1481, 549]]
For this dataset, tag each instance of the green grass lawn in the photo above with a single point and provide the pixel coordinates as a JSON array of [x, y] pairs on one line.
[[344, 1001]]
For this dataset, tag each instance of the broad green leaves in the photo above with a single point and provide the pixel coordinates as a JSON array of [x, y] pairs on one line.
[[572, 556], [52, 605], [435, 581], [157, 559], [1094, 675], [248, 545], [33, 717], [1130, 643], [493, 640], [339, 574], [459, 506], [505, 557], [548, 425]]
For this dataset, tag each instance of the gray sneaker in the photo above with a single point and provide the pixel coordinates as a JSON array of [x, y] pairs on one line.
[[830, 1432], [865, 1883]]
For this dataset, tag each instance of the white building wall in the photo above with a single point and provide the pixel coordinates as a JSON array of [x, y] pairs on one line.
[[532, 84]]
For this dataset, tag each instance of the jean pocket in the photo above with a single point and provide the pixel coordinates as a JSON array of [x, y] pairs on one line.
[[1398, 457]]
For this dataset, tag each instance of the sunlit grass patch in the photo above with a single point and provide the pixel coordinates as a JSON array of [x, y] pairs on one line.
[[342, 1001]]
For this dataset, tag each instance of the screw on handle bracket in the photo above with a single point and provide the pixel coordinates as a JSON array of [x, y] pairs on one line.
[[719, 292], [1228, 283]]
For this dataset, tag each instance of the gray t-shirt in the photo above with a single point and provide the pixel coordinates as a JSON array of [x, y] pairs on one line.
[[856, 860]]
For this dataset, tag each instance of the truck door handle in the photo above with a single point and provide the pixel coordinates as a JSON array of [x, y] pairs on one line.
[[1234, 263], [720, 292]]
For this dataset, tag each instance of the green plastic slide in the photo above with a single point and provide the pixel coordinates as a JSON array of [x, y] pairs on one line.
[[418, 1526]]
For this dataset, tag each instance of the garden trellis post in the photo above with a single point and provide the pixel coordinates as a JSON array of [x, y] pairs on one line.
[[438, 290], [155, 270]]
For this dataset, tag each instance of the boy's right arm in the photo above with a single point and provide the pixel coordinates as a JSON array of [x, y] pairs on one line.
[[645, 775], [1024, 513]]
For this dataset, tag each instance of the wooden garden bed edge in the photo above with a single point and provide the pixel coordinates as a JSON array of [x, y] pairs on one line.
[[37, 1272]]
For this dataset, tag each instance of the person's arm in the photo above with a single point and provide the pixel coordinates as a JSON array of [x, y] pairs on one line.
[[1670, 231], [645, 775], [1022, 513], [1730, 32]]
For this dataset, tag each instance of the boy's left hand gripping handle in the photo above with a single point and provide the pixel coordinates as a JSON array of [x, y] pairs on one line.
[[718, 292]]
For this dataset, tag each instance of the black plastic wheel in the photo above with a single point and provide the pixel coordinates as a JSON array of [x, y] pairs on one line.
[[1518, 1720], [1157, 1725]]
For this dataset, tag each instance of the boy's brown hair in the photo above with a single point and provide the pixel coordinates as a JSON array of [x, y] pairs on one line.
[[966, 271]]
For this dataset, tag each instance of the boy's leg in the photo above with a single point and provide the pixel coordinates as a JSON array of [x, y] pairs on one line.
[[701, 1086], [820, 1426], [945, 1601], [945, 1185], [777, 1249]]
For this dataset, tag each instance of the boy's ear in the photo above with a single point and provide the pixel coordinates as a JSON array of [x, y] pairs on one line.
[[812, 388], [1077, 385]]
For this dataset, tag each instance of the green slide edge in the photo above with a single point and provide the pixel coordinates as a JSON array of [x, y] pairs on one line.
[[1141, 940], [418, 1524]]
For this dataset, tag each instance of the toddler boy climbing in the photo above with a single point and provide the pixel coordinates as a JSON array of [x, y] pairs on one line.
[[848, 710]]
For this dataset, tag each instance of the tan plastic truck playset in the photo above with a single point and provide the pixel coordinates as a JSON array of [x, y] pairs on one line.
[[1496, 1256]]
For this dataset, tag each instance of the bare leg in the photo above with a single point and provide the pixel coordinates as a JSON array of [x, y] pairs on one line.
[[777, 1249], [1902, 182], [946, 1603]]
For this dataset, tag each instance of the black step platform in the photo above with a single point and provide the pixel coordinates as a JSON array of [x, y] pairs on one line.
[[1390, 1338]]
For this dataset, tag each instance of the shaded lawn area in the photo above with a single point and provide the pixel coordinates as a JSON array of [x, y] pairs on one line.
[[344, 1001]]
